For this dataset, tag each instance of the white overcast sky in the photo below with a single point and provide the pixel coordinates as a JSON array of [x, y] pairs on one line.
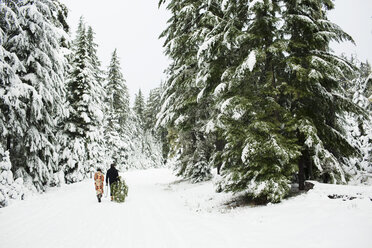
[[133, 27]]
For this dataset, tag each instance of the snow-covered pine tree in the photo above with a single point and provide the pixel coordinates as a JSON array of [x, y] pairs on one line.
[[260, 153], [13, 111], [84, 148], [273, 93], [212, 60], [37, 44], [152, 108], [362, 85], [117, 91], [155, 137], [96, 63], [180, 113], [117, 114], [143, 151], [139, 106], [313, 92], [96, 144], [359, 128]]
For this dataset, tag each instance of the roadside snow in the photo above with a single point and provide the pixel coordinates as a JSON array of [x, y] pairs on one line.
[[163, 212]]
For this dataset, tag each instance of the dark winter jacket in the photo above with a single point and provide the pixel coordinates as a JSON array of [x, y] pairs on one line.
[[112, 175]]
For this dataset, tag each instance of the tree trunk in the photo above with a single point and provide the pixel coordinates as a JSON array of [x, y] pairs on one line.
[[8, 141], [301, 173], [220, 145], [309, 165], [219, 168]]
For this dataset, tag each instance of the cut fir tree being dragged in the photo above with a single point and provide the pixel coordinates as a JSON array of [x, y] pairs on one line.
[[119, 190], [118, 187]]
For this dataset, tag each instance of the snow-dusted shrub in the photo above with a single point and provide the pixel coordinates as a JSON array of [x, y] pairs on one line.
[[9, 188]]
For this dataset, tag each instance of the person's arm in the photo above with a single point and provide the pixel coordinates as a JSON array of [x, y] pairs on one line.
[[107, 178]]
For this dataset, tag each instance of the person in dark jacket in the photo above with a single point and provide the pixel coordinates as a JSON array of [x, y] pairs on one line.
[[111, 177]]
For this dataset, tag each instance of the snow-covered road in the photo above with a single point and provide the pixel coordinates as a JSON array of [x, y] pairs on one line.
[[159, 213]]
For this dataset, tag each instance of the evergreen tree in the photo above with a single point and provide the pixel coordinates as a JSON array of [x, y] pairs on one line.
[[359, 128], [179, 113], [139, 106], [142, 150], [96, 146], [117, 113], [314, 76], [94, 60], [152, 108], [260, 151], [117, 91], [12, 114], [84, 147], [36, 44]]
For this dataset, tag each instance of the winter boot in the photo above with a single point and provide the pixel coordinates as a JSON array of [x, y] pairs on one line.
[[99, 197]]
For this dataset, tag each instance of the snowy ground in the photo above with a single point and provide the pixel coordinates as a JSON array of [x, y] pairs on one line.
[[163, 212]]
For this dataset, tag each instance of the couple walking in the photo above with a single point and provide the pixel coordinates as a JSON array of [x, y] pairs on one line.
[[112, 176]]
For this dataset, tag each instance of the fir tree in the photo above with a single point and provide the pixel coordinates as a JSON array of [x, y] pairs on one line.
[[117, 91], [94, 60], [314, 76], [12, 114], [37, 43], [260, 151], [152, 108], [117, 113], [358, 127], [139, 106], [96, 145], [179, 113], [84, 147]]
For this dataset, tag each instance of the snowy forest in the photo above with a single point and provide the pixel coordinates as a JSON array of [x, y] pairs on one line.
[[255, 99], [63, 115]]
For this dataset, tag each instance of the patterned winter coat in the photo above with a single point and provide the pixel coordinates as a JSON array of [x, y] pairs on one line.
[[99, 178]]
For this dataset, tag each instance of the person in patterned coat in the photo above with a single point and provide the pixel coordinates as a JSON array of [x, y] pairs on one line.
[[99, 179]]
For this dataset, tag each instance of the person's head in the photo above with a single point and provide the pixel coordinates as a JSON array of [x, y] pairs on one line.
[[99, 169], [113, 165]]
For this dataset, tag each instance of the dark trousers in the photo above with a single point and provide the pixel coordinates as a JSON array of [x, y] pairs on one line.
[[111, 188]]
